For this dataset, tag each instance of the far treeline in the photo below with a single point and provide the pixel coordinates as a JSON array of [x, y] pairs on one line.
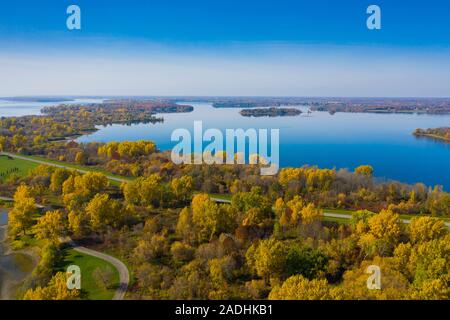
[[270, 112], [333, 105]]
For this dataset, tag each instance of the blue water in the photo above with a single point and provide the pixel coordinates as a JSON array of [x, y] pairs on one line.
[[24, 108], [343, 140]]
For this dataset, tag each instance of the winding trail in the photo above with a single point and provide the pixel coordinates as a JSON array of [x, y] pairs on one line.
[[124, 275], [40, 206]]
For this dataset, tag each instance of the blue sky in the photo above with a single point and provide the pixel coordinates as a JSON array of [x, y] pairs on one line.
[[226, 47]]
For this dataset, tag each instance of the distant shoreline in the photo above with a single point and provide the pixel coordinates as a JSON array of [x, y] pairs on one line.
[[433, 136], [270, 112], [442, 134]]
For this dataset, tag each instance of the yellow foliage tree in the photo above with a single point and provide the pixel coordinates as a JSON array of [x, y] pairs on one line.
[[50, 226], [21, 215], [422, 229], [299, 288], [55, 290]]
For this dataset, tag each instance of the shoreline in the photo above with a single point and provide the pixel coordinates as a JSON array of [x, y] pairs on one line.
[[9, 287]]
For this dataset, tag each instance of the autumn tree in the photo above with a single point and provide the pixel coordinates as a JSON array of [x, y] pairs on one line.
[[20, 218], [57, 179], [50, 226], [394, 285], [102, 212], [80, 189], [144, 191], [364, 170], [422, 229], [81, 158], [211, 219], [383, 234], [151, 249], [127, 149], [244, 201], [182, 252], [299, 288], [426, 265], [55, 290], [267, 258], [184, 225], [438, 203]]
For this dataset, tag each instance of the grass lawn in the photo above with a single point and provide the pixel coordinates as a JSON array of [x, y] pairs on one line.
[[337, 220], [339, 211], [221, 196], [88, 264], [20, 167], [76, 167]]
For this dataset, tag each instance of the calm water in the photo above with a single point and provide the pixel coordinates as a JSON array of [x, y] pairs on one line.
[[23, 108], [343, 140]]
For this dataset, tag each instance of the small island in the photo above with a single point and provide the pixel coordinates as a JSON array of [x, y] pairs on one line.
[[270, 112], [435, 133]]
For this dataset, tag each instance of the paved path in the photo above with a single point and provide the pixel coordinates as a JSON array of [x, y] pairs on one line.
[[12, 155], [40, 206], [326, 214], [124, 275]]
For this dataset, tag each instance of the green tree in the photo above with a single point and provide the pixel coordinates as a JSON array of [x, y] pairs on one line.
[[182, 188], [305, 261]]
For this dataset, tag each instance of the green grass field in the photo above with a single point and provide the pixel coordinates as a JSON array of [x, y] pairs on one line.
[[14, 166], [32, 165], [221, 196], [88, 264], [78, 167]]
